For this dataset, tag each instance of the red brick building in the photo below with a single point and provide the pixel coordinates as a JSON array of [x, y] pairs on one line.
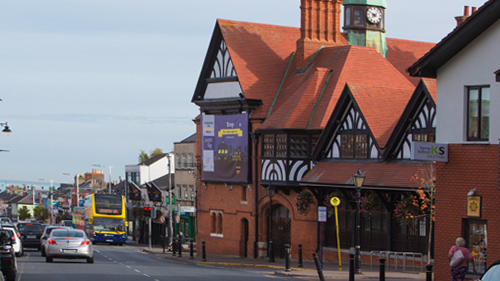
[[300, 111], [466, 67]]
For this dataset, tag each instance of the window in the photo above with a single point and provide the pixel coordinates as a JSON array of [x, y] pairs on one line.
[[354, 146], [298, 146], [178, 160], [478, 113], [268, 141], [134, 177], [477, 242], [424, 137], [184, 161], [193, 194], [185, 190], [244, 193], [190, 161], [179, 192], [216, 223], [281, 145]]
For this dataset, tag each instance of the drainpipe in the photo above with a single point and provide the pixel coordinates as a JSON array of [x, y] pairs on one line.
[[256, 195]]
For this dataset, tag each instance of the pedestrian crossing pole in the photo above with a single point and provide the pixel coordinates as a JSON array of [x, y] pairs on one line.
[[149, 232]]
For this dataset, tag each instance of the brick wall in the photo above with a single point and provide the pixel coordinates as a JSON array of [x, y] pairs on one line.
[[468, 167]]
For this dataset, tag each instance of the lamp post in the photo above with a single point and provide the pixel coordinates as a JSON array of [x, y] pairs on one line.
[[270, 192], [51, 207], [77, 182], [358, 180], [102, 166]]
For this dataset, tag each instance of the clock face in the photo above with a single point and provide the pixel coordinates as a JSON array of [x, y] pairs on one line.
[[374, 15]]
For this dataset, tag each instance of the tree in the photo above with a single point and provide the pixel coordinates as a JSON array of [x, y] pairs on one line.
[[40, 213], [24, 213], [143, 156]]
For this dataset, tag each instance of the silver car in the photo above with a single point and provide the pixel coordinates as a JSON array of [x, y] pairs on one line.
[[68, 244]]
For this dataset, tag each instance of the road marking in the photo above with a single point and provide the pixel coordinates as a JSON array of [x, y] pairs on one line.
[[138, 271], [147, 275]]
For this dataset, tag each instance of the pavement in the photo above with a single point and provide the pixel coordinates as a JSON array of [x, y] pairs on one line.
[[330, 270]]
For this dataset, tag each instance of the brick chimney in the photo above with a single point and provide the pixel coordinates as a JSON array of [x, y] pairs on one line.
[[319, 26], [461, 19]]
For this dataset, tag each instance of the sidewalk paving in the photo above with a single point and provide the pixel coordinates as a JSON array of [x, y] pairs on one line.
[[330, 270]]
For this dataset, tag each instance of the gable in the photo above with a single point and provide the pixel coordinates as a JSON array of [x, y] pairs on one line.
[[223, 81]]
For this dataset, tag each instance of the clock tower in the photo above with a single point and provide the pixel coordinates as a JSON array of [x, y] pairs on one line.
[[364, 23]]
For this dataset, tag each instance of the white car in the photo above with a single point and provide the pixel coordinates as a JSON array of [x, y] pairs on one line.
[[18, 246]]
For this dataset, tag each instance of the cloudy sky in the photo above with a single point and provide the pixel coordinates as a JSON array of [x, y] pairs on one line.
[[96, 81]]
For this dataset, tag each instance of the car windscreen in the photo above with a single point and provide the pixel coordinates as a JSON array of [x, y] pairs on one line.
[[30, 227], [68, 233]]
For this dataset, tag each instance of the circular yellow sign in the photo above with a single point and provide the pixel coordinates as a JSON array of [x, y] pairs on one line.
[[335, 201]]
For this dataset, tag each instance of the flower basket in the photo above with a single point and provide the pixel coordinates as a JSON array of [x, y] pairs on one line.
[[303, 202], [370, 204], [406, 210]]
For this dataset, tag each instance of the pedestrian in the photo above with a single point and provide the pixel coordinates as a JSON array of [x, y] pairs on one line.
[[458, 272], [183, 238]]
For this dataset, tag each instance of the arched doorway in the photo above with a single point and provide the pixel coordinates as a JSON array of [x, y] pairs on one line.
[[244, 238], [281, 230]]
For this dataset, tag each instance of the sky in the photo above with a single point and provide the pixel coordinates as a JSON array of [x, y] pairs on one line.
[[94, 82]]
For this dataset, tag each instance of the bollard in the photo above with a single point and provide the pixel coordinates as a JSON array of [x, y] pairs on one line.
[[271, 252], [382, 269], [287, 257], [301, 264], [174, 247], [318, 267], [428, 268], [204, 254], [163, 243], [179, 248], [191, 249], [351, 267]]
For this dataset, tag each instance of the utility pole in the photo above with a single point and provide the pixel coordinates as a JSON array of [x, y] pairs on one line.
[[170, 200]]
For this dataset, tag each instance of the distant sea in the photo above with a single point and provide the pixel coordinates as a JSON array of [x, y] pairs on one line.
[[43, 185]]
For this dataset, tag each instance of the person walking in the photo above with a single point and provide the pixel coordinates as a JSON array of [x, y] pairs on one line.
[[458, 272]]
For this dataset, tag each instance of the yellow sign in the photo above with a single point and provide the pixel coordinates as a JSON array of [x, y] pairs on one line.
[[237, 132], [474, 206], [335, 201]]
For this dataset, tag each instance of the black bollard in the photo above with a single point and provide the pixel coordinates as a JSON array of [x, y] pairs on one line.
[[191, 249], [204, 254], [174, 246], [301, 264], [318, 267], [382, 269], [428, 268], [163, 243], [287, 257], [351, 267], [179, 248], [271, 252]]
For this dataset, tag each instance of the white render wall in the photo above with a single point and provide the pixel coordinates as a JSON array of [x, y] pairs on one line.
[[473, 66]]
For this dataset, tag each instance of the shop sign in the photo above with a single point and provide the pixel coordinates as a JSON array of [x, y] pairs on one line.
[[429, 151], [474, 206]]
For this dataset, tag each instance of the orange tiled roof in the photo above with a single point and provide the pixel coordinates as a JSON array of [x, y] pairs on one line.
[[403, 53], [381, 107], [377, 174], [260, 55]]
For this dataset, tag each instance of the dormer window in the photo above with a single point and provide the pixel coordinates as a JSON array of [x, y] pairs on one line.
[[354, 146]]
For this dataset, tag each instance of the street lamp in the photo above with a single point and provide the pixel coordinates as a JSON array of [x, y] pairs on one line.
[[270, 190], [102, 166], [358, 180]]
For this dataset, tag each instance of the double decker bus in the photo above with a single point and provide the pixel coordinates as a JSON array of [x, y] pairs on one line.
[[105, 218]]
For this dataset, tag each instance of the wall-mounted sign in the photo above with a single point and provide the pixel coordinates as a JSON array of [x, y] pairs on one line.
[[224, 145], [429, 151], [474, 206], [322, 213]]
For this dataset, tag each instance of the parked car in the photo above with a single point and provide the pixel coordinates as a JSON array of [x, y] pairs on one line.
[[492, 273], [8, 263], [18, 246], [68, 244], [5, 220], [30, 234], [45, 236]]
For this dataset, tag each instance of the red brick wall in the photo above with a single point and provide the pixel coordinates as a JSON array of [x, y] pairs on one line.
[[468, 167]]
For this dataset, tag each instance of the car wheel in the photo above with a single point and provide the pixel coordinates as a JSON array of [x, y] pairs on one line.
[[47, 259], [90, 260]]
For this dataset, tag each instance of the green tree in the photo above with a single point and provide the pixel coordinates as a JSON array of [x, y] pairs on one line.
[[143, 156], [24, 213], [40, 213]]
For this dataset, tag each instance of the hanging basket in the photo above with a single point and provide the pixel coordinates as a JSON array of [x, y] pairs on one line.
[[304, 202]]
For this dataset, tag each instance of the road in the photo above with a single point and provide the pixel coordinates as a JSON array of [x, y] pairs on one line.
[[122, 263]]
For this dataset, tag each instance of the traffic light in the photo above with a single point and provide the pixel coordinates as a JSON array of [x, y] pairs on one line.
[[147, 212]]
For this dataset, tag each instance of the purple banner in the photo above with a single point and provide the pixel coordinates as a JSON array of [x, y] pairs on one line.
[[224, 145]]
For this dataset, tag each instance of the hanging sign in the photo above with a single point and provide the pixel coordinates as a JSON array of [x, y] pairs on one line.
[[474, 206]]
